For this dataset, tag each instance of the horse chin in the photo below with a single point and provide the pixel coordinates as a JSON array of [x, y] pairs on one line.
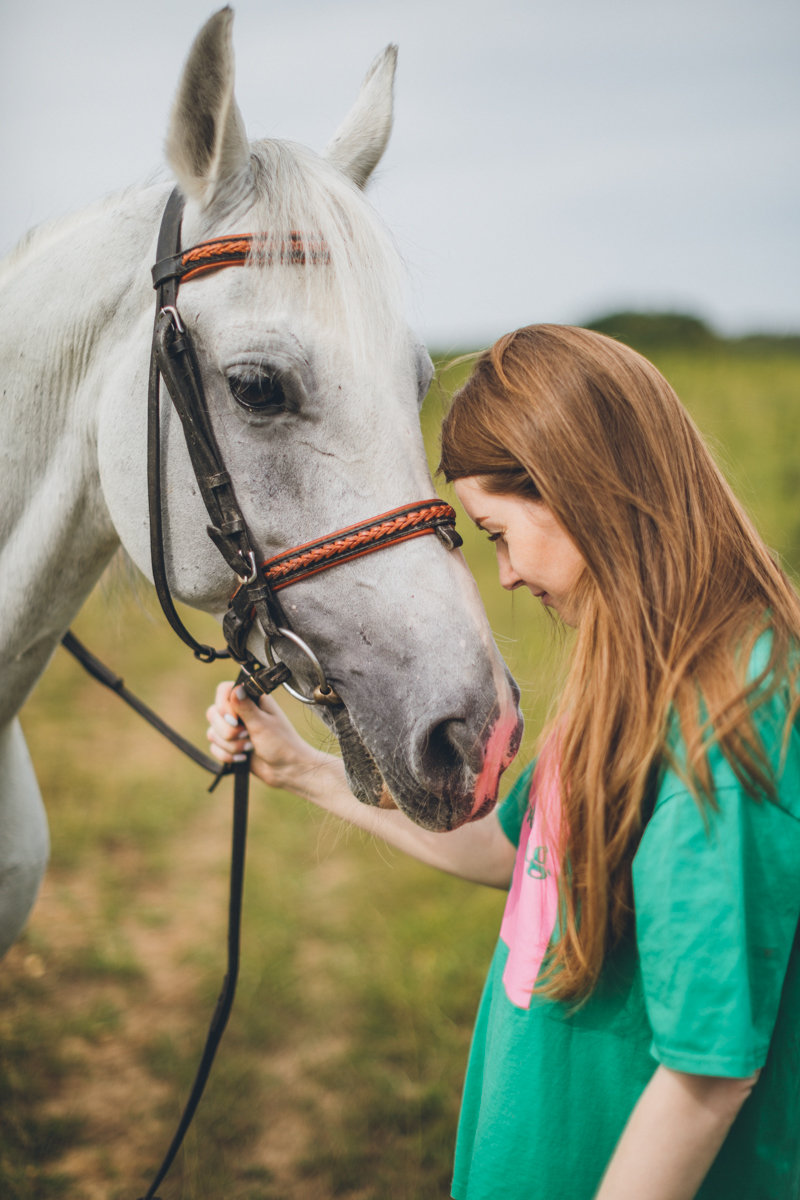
[[459, 789], [441, 814]]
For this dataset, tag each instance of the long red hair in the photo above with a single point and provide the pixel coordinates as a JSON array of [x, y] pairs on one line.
[[677, 588]]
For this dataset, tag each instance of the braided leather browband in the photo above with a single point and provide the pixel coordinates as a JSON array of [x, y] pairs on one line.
[[263, 249], [397, 525]]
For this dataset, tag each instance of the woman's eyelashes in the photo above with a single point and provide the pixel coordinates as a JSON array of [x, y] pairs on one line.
[[495, 537]]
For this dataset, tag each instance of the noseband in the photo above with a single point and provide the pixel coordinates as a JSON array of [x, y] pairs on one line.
[[255, 599]]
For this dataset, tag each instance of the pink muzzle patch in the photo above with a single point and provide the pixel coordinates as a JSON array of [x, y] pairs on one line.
[[500, 750]]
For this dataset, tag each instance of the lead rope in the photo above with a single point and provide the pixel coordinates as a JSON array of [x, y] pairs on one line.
[[115, 683], [241, 790], [241, 795]]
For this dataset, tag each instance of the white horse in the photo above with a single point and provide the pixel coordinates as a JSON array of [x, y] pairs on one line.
[[401, 634]]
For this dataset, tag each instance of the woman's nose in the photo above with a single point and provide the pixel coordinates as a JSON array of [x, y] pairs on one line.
[[509, 578]]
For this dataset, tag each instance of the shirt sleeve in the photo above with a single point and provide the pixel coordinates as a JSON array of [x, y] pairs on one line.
[[717, 904], [511, 812]]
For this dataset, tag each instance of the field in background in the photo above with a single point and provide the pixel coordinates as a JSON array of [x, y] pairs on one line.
[[340, 1072]]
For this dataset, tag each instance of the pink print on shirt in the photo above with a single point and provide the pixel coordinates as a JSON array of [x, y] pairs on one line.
[[532, 906]]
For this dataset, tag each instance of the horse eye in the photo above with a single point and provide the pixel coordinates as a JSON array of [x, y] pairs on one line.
[[258, 392]]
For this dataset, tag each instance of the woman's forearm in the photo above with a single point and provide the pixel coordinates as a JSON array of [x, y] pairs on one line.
[[673, 1136], [479, 852]]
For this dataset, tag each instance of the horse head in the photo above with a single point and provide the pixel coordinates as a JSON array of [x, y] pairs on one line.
[[313, 383]]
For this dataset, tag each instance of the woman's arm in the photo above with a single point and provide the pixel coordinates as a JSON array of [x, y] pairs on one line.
[[479, 852], [673, 1136]]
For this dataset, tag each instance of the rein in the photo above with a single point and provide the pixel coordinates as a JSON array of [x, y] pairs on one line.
[[255, 599]]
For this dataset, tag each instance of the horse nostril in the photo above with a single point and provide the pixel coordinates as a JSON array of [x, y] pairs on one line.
[[443, 753]]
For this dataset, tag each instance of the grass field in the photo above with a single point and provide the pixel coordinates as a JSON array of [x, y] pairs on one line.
[[341, 1070]]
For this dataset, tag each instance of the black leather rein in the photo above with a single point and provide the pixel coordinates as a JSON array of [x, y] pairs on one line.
[[173, 359]]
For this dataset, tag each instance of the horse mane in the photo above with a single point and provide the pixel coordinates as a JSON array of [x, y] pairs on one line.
[[41, 238], [358, 292]]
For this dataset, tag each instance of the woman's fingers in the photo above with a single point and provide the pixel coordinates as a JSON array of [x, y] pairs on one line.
[[242, 707], [267, 716], [235, 744], [224, 756], [238, 726], [222, 728], [269, 704], [222, 696], [229, 739]]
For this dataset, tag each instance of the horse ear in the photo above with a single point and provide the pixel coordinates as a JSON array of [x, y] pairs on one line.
[[207, 146], [359, 142]]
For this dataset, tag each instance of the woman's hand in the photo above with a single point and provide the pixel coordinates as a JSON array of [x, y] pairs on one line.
[[479, 852], [280, 756]]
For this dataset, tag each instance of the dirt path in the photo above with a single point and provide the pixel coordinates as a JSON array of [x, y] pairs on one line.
[[127, 1112], [337, 1075]]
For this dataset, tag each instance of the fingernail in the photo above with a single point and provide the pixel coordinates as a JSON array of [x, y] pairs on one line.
[[234, 721], [247, 746], [240, 693], [240, 758]]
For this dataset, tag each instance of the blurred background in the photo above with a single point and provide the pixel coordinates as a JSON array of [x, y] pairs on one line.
[[626, 165]]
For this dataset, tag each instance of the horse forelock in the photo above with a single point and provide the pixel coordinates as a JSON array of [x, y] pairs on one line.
[[357, 286]]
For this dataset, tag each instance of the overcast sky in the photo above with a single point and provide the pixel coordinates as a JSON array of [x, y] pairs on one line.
[[550, 160]]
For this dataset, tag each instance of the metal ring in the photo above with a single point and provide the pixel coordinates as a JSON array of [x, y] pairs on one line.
[[323, 685], [176, 316], [251, 578]]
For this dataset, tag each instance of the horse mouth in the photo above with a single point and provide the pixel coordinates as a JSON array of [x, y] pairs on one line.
[[463, 793]]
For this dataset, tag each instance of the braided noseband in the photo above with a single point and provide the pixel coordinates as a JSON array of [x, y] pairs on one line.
[[397, 525]]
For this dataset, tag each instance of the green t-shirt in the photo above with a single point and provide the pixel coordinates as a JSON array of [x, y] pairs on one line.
[[711, 985]]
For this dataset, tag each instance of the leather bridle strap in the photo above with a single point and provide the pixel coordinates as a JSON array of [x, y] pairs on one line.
[[115, 683], [168, 240], [389, 529], [234, 251], [173, 357]]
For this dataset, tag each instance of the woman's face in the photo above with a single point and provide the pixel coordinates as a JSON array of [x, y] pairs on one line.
[[532, 548]]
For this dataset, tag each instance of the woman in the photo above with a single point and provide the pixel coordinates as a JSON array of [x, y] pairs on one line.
[[639, 1034]]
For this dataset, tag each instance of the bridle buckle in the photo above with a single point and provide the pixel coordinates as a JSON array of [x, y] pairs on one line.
[[246, 580], [171, 310]]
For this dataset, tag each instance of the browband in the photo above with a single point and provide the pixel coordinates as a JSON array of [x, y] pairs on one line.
[[263, 249]]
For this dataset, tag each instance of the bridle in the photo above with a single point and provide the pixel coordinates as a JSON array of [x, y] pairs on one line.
[[255, 598]]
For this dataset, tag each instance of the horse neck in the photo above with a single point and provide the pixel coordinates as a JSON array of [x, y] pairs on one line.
[[73, 301]]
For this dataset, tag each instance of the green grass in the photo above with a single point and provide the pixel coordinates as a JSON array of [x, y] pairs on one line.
[[361, 970], [749, 410]]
